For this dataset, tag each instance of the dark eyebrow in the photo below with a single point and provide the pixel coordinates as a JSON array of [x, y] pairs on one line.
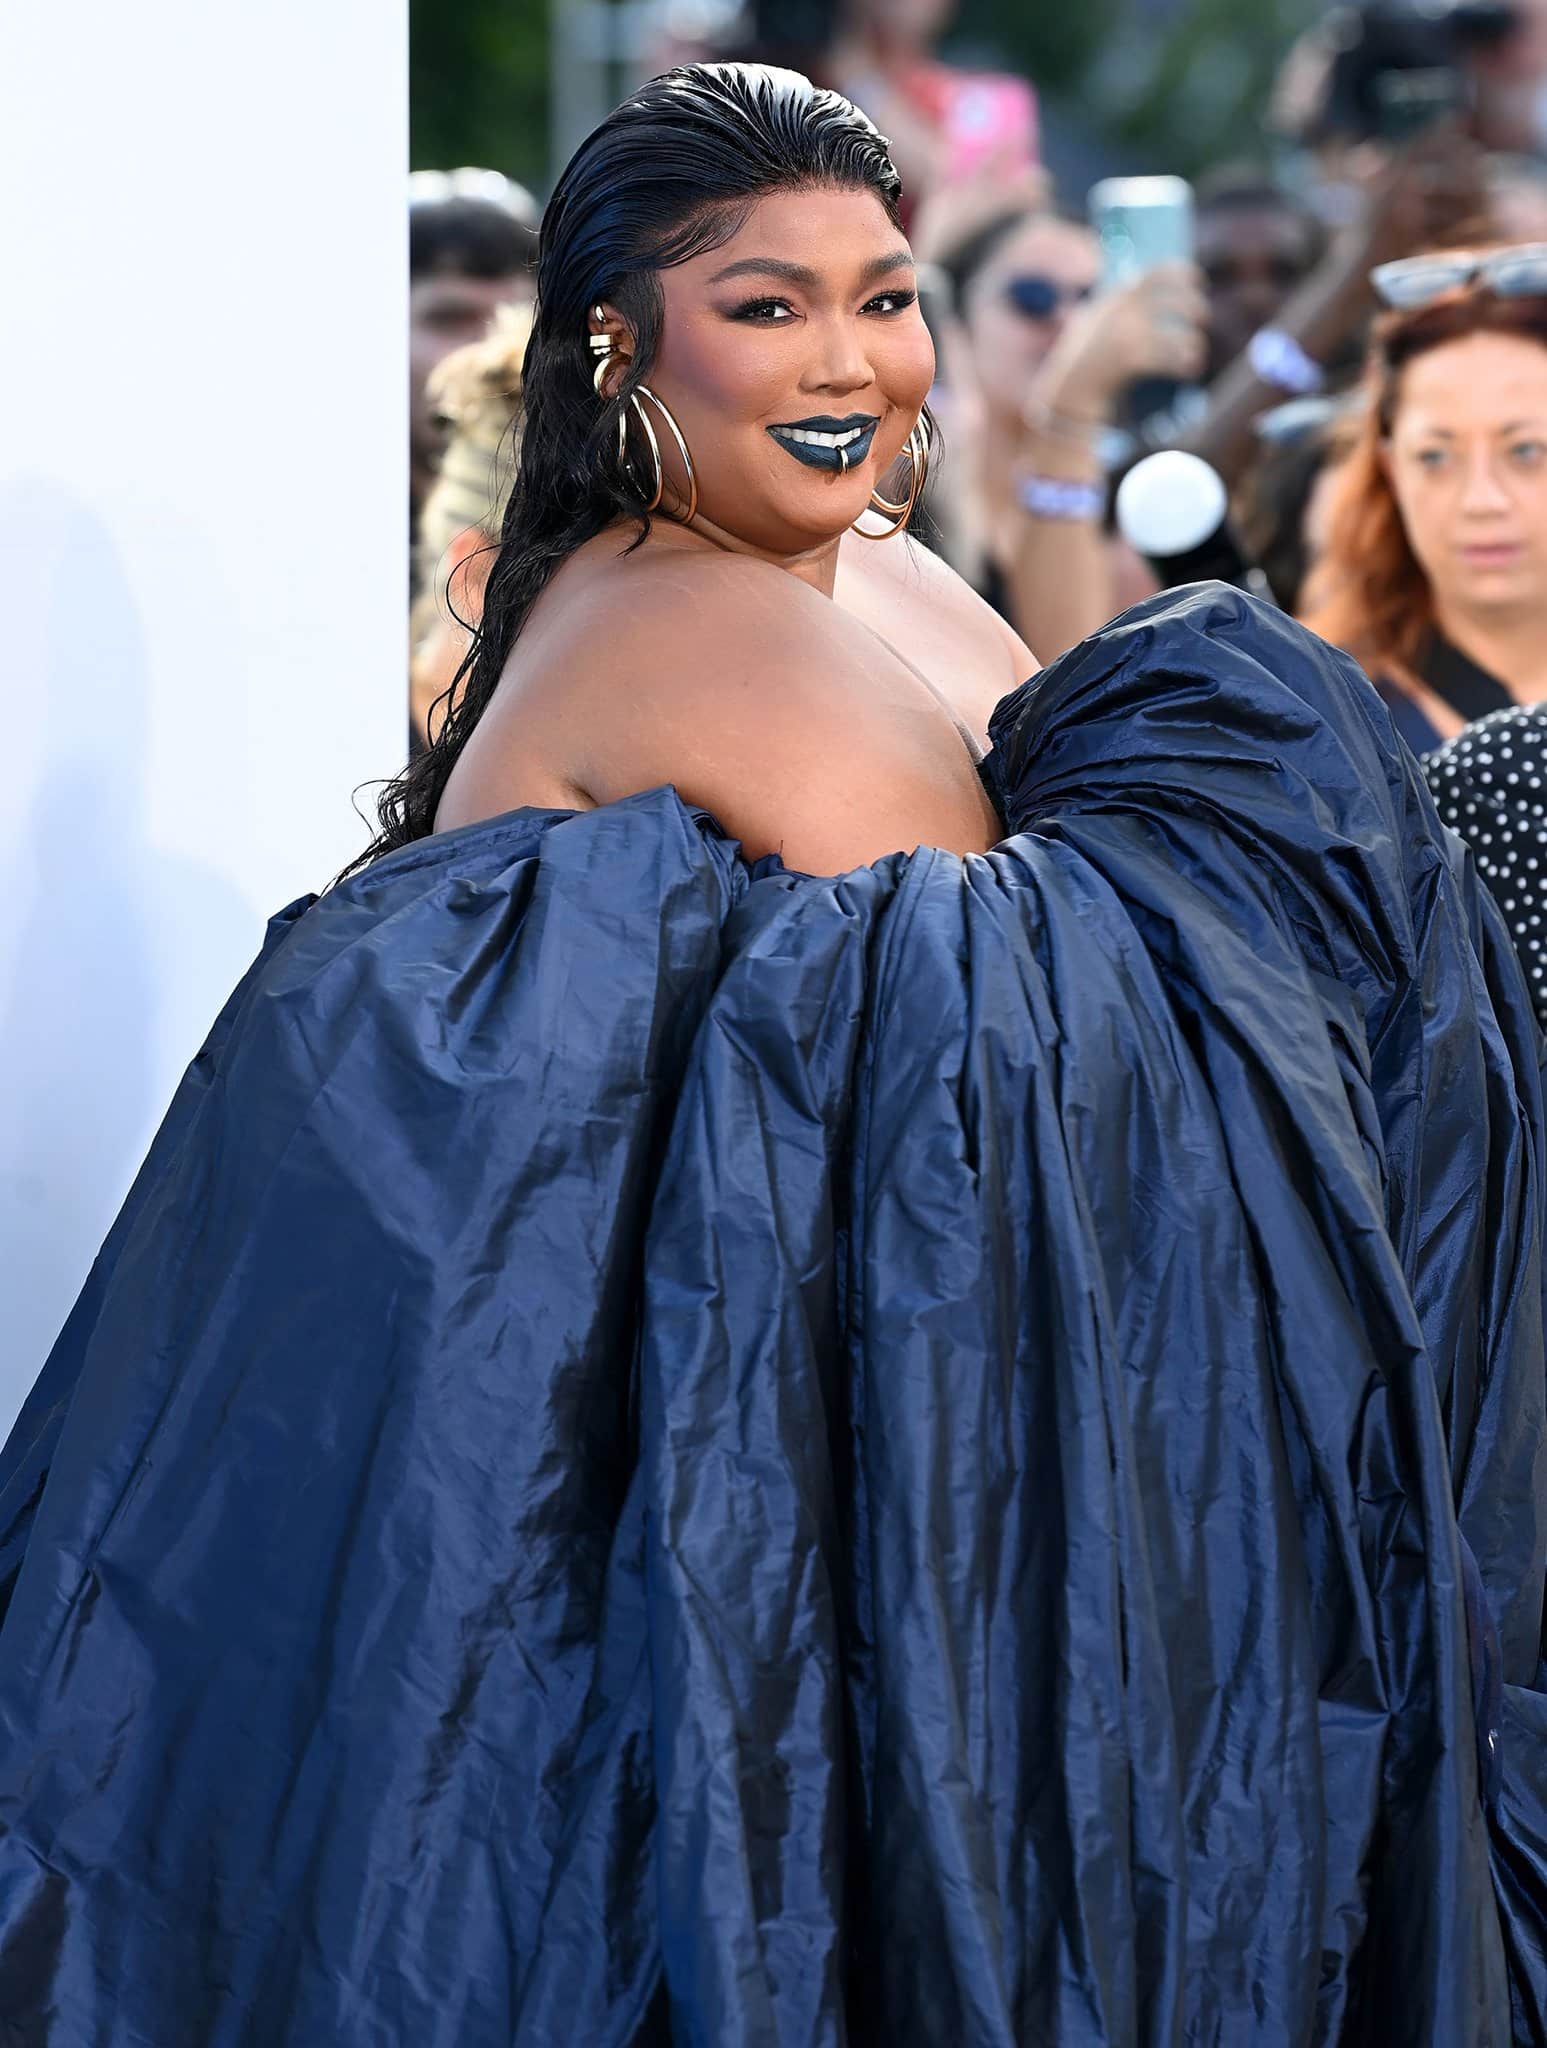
[[798, 273]]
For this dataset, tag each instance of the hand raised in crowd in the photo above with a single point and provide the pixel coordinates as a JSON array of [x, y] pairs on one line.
[[1153, 327], [1426, 195], [1429, 193]]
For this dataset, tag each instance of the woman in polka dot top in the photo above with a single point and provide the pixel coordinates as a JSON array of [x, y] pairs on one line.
[[1490, 785]]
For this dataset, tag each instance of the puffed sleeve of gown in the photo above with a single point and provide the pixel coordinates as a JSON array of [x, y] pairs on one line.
[[666, 1450]]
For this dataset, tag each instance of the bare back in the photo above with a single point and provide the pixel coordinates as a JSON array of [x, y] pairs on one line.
[[773, 706]]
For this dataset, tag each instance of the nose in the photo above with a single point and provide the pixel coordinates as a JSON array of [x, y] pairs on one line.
[[841, 362], [1483, 489]]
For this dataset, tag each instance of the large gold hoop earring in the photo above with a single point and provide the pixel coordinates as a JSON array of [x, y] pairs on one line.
[[916, 448], [665, 411], [606, 355]]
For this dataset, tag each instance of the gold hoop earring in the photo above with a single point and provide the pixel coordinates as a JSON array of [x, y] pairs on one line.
[[606, 355], [665, 411], [916, 448]]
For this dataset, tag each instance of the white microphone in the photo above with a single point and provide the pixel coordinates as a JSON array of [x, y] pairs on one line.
[[1174, 509]]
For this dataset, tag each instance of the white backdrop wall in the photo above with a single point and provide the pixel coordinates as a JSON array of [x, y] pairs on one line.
[[203, 543]]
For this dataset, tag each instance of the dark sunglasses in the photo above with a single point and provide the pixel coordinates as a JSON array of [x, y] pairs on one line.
[[1036, 297], [1519, 272]]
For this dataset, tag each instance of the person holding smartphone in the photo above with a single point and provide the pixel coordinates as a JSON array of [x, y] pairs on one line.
[[945, 123], [1427, 192], [1038, 361]]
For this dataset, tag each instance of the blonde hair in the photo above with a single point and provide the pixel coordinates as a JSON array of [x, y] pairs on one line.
[[478, 389]]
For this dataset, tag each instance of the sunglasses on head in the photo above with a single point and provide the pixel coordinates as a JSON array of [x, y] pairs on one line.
[[1299, 419], [1038, 298], [1516, 273]]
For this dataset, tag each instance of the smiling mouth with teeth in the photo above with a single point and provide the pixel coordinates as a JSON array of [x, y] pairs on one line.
[[828, 443], [821, 440]]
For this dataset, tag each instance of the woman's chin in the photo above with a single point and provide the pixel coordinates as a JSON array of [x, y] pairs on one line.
[[828, 511], [1501, 586]]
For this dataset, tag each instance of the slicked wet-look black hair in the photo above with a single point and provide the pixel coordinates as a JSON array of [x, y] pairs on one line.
[[670, 174]]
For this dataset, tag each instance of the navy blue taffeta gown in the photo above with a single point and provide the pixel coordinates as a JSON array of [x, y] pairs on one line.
[[673, 1452]]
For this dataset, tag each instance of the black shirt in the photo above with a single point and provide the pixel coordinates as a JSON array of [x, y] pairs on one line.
[[1468, 689]]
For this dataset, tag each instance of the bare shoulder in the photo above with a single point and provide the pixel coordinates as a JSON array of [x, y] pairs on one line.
[[628, 645], [904, 590], [748, 691], [947, 587], [684, 623], [680, 597]]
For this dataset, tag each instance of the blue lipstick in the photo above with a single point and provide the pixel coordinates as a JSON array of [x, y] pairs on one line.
[[844, 445]]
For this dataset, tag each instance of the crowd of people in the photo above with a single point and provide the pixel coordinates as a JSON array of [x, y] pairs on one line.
[[1381, 430]]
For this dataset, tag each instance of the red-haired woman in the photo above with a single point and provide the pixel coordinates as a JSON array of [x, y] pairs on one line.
[[1435, 574]]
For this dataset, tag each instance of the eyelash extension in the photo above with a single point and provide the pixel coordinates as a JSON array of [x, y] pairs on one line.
[[750, 309]]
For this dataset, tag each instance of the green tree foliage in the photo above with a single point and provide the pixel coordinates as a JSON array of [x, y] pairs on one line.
[[478, 86], [1054, 45], [1177, 83], [1201, 92]]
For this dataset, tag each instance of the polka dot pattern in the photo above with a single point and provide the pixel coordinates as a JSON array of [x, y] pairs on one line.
[[1490, 785]]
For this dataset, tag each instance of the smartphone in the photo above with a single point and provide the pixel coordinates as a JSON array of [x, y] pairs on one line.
[[985, 115], [1141, 222]]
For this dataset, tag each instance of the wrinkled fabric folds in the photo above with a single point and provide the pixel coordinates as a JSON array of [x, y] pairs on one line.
[[666, 1450]]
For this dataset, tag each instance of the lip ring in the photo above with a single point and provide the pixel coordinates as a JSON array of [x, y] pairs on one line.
[[829, 455]]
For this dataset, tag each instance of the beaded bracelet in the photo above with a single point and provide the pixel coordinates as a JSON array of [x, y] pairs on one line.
[[1063, 498], [1276, 358]]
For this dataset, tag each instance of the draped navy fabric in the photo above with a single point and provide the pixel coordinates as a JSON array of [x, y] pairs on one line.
[[666, 1451]]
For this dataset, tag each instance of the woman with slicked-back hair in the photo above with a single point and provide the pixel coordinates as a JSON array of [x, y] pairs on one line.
[[850, 1349], [726, 378]]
